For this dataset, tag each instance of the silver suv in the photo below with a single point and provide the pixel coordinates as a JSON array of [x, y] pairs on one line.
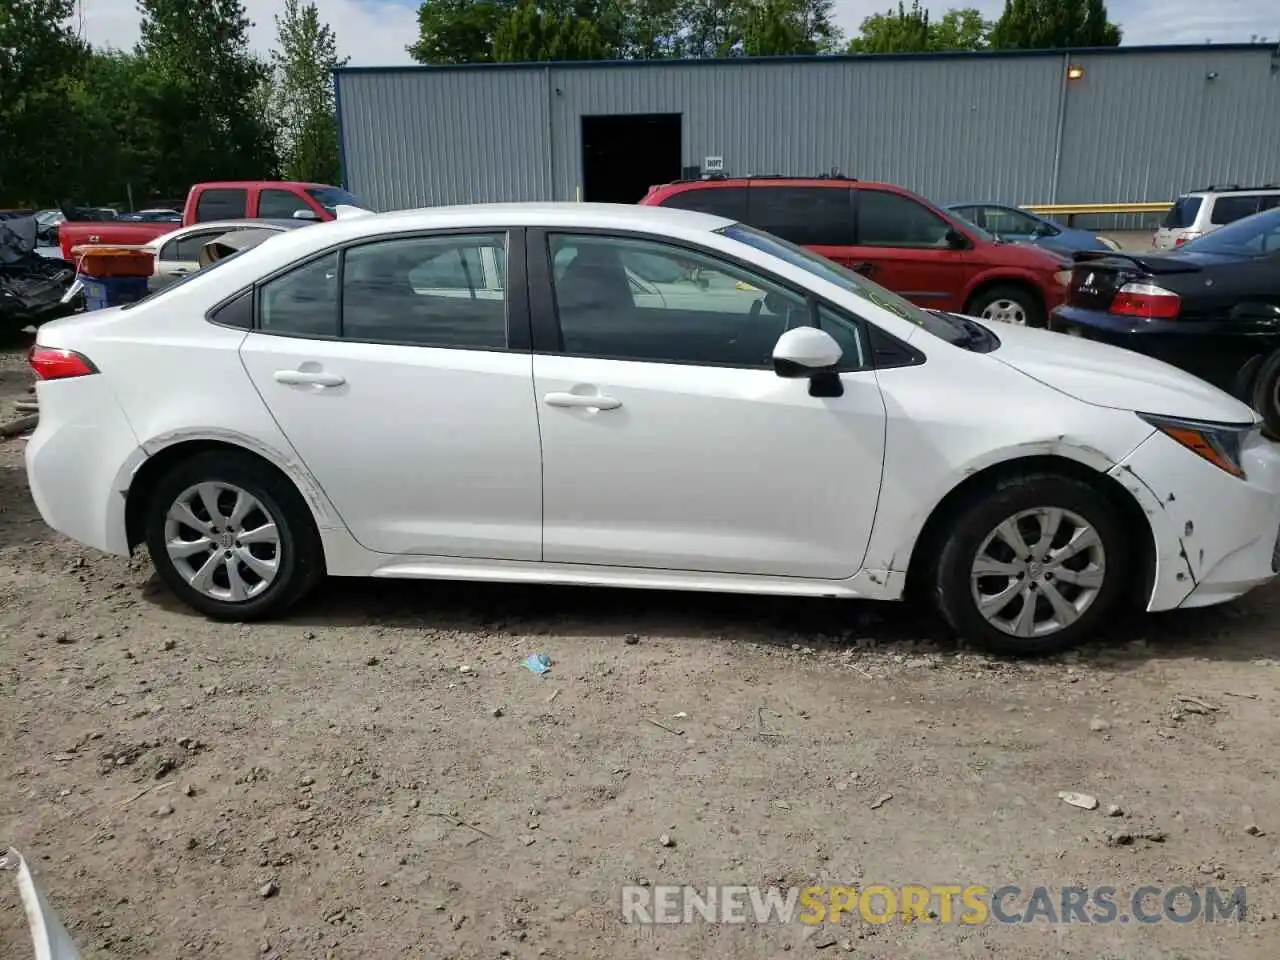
[[1203, 211]]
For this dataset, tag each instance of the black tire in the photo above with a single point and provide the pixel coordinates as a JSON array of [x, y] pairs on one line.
[[1027, 299], [299, 556], [978, 518], [1266, 394]]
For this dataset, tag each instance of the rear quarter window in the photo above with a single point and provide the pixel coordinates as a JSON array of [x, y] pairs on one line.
[[1182, 214], [221, 204]]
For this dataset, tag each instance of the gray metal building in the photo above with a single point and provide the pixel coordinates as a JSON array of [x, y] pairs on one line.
[[1119, 125]]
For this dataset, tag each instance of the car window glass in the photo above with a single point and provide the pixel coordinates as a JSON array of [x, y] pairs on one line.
[[169, 251], [1269, 202], [221, 204], [302, 302], [1001, 220], [892, 220], [188, 248], [703, 311], [728, 202], [427, 291], [1231, 209], [1182, 214], [279, 204], [1251, 237], [846, 333], [809, 216]]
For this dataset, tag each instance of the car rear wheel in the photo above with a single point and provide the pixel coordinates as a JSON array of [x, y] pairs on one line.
[[231, 537], [1266, 394], [1032, 565], [1008, 304]]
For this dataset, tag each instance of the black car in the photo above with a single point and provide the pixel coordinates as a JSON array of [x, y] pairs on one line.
[[1211, 307]]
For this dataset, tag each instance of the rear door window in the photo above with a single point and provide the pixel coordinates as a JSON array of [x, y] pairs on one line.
[[222, 204], [809, 216], [727, 202], [891, 220], [1182, 214], [1230, 209], [280, 204]]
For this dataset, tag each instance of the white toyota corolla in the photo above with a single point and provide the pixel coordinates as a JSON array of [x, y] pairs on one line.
[[635, 397]]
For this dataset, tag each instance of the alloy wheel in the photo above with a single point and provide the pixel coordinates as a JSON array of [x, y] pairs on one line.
[[1005, 311], [223, 541], [1037, 572]]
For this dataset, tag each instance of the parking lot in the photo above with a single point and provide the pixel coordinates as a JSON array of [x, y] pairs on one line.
[[380, 775]]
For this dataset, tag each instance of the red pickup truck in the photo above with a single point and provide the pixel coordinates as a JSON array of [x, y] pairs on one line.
[[230, 200]]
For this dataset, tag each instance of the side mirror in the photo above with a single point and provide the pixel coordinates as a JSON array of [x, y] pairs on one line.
[[1256, 312], [305, 214], [807, 352], [957, 240]]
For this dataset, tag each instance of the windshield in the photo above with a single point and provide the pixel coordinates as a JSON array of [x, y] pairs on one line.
[[940, 325], [1182, 213], [1253, 236], [332, 197]]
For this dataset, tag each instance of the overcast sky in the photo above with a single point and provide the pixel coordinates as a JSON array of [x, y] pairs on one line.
[[377, 31]]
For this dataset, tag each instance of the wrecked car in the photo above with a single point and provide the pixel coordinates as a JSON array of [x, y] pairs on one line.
[[32, 287]]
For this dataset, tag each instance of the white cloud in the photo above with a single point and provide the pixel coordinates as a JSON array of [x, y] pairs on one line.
[[376, 32]]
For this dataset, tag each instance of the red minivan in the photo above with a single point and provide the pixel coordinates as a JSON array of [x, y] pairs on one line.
[[897, 238]]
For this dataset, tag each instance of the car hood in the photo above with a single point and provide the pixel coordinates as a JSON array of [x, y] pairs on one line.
[[1107, 376]]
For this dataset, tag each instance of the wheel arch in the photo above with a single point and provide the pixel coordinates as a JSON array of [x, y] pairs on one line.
[[928, 543], [988, 282], [162, 459]]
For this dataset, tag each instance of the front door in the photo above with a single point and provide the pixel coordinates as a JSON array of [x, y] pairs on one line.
[[404, 396], [668, 441], [903, 245]]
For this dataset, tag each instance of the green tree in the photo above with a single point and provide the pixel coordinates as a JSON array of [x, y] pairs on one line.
[[651, 29], [204, 80], [1054, 24], [782, 27], [39, 55], [302, 98], [545, 32], [894, 31], [458, 31], [962, 29], [712, 28]]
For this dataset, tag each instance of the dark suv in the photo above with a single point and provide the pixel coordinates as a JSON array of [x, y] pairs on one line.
[[897, 238]]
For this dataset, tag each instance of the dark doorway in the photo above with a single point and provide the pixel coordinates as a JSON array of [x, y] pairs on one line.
[[623, 155]]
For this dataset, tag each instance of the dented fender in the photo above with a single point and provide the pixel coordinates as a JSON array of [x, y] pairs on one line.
[[288, 463], [1175, 574]]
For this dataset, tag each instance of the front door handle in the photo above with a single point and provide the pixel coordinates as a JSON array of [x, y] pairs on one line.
[[864, 268], [594, 402], [309, 377]]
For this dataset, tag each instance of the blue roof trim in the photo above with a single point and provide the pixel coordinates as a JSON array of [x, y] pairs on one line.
[[836, 58]]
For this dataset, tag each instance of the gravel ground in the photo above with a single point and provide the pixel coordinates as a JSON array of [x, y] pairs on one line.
[[379, 776]]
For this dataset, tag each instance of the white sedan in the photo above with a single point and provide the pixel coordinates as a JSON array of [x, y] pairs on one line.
[[353, 399], [177, 253]]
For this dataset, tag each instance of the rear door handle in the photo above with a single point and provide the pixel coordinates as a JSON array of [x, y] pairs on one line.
[[309, 377], [595, 402], [864, 268]]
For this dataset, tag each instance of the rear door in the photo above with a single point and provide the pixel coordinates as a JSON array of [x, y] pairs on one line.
[[819, 217], [903, 245], [405, 386]]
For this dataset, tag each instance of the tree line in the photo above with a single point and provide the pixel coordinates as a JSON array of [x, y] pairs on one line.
[[191, 102]]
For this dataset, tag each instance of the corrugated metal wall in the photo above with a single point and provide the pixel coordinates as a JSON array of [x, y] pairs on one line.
[[1139, 125]]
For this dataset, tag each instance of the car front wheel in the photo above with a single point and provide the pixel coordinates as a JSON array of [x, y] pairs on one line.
[[1032, 566], [231, 537], [1010, 304]]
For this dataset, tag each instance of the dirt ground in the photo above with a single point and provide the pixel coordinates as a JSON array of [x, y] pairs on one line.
[[338, 785]]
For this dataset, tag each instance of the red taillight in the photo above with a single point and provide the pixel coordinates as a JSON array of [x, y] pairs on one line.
[[1147, 301], [1184, 238], [50, 363]]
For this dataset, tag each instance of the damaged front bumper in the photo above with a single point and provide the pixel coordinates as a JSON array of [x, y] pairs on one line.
[[1216, 536]]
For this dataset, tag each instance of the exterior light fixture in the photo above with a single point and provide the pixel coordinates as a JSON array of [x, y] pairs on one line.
[[1075, 73]]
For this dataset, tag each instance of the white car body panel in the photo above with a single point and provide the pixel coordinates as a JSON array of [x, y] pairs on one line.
[[680, 475], [459, 426], [437, 463]]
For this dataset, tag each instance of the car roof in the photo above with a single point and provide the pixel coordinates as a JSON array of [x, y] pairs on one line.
[[228, 225], [1230, 191]]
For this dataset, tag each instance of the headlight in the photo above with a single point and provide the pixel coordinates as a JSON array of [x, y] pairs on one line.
[[1063, 277], [1222, 444]]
